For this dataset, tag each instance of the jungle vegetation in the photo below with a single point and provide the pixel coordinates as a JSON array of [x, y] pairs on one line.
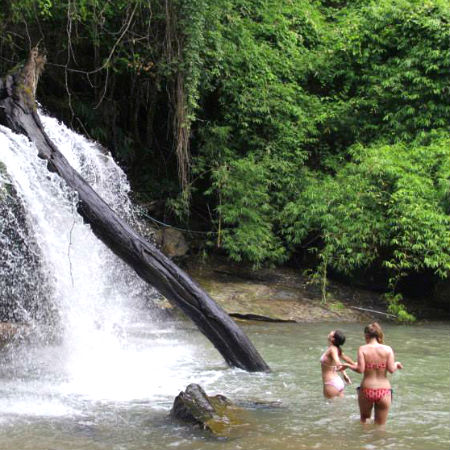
[[313, 132]]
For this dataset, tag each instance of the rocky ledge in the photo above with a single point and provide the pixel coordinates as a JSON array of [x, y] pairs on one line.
[[282, 294]]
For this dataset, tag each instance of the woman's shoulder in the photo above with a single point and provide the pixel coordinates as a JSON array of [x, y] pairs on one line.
[[387, 348], [368, 348], [333, 349]]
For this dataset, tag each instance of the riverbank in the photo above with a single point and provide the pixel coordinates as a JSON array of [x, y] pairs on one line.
[[282, 294]]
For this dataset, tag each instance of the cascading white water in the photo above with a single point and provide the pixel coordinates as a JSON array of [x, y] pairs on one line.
[[104, 307]]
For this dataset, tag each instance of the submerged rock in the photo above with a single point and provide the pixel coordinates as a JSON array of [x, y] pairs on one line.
[[262, 404], [216, 414]]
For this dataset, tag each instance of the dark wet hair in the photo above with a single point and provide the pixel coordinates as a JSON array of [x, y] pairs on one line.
[[338, 340], [374, 331]]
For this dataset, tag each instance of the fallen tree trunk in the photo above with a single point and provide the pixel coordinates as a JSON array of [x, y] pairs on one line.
[[18, 112]]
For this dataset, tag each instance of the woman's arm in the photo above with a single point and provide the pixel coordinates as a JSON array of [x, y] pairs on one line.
[[334, 355], [347, 359], [393, 365], [360, 364], [346, 377]]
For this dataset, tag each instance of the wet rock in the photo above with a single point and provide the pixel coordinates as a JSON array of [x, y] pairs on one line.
[[274, 295], [216, 414], [172, 242], [262, 404]]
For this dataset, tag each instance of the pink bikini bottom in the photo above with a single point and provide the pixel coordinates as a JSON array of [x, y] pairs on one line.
[[336, 382], [374, 395]]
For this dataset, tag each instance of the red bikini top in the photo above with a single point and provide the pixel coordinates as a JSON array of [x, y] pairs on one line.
[[381, 365]]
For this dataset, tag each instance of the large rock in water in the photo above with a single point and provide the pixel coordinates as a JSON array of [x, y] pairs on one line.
[[216, 414]]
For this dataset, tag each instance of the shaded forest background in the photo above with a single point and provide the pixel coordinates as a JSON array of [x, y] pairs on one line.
[[312, 133]]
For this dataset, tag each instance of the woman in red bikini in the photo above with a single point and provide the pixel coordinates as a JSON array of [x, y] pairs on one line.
[[374, 360], [333, 386]]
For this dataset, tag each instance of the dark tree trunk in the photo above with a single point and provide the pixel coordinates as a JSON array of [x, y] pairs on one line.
[[18, 112]]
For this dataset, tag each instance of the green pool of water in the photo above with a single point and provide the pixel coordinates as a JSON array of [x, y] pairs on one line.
[[51, 400]]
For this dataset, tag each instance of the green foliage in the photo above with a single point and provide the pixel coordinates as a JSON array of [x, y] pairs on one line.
[[245, 207], [192, 18], [293, 86], [390, 206], [251, 141], [398, 309], [256, 64], [383, 70], [320, 130], [337, 306]]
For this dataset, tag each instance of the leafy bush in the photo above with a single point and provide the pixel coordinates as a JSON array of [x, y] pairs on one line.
[[383, 71], [390, 205], [398, 309]]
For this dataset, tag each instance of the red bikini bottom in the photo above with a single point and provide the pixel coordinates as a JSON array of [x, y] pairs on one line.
[[374, 395]]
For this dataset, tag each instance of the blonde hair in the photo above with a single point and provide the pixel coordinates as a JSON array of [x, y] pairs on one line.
[[374, 331]]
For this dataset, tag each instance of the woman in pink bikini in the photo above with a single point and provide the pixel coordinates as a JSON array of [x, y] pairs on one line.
[[333, 386], [374, 360]]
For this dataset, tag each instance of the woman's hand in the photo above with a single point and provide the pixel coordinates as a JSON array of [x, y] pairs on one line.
[[346, 378], [398, 365]]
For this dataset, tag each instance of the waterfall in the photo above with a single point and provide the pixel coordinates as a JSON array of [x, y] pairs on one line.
[[102, 310], [82, 274]]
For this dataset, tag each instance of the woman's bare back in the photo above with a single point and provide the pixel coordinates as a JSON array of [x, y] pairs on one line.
[[376, 360]]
